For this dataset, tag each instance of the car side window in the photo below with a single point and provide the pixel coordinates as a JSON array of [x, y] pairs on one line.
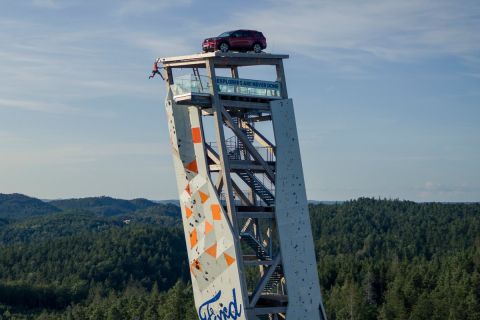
[[236, 34], [242, 34]]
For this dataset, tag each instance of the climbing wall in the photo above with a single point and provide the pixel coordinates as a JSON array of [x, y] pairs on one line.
[[208, 231], [293, 220]]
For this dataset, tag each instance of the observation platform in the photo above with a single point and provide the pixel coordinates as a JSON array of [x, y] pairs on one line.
[[195, 89]]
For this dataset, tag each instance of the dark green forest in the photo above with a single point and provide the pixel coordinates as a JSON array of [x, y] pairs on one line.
[[105, 258]]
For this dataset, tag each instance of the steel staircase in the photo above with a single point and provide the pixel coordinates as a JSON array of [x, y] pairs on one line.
[[253, 243], [257, 187], [239, 145], [274, 280], [259, 249]]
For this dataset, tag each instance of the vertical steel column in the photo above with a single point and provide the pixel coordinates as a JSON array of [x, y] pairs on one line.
[[225, 171]]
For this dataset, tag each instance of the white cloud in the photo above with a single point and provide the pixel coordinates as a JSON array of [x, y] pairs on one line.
[[38, 106], [68, 65], [61, 4], [67, 155], [46, 4], [474, 75], [159, 44], [432, 191], [54, 108], [140, 7], [10, 138], [359, 30]]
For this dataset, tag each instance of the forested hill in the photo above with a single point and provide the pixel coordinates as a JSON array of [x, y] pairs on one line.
[[104, 205], [18, 206], [369, 227], [104, 258], [384, 259], [29, 219]]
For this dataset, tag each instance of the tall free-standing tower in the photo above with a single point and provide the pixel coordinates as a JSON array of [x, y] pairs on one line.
[[241, 186]]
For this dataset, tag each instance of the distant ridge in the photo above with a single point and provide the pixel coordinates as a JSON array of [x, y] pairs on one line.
[[324, 202], [18, 206], [15, 207], [171, 201], [106, 206]]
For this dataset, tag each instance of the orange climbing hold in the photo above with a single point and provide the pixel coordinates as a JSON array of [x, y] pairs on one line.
[[195, 265]]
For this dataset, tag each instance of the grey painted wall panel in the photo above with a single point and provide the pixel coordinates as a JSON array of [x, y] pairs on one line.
[[293, 220]]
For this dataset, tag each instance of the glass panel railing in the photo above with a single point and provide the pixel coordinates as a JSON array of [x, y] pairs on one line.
[[189, 84], [248, 87]]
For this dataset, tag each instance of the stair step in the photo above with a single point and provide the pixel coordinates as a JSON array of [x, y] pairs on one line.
[[258, 187]]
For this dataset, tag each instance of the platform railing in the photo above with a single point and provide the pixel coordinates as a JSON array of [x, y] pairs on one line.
[[192, 84], [248, 87]]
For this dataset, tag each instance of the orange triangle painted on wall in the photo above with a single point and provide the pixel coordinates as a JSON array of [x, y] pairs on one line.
[[203, 196], [188, 189], [192, 166], [208, 227], [193, 238], [188, 212], [212, 250], [229, 259], [216, 213]]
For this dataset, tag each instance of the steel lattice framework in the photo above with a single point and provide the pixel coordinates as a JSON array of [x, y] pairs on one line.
[[242, 193]]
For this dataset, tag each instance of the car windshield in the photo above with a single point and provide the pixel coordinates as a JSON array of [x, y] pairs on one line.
[[225, 34]]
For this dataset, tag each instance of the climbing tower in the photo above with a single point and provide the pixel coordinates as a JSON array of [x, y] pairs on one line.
[[241, 187]]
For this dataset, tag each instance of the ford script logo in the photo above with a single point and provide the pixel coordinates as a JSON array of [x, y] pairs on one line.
[[209, 310]]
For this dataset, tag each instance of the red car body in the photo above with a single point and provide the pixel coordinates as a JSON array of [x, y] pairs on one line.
[[238, 40]]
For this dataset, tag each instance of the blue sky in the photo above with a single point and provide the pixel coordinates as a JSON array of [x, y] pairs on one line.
[[387, 93]]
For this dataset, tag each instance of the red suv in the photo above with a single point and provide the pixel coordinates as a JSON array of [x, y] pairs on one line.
[[238, 40]]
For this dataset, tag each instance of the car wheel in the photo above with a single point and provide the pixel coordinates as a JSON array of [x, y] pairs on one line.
[[257, 48], [223, 47]]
